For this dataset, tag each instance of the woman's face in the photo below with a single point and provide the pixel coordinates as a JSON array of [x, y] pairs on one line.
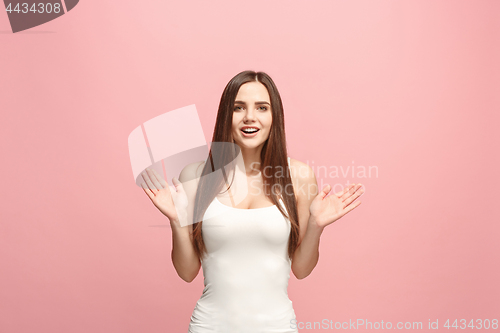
[[252, 116]]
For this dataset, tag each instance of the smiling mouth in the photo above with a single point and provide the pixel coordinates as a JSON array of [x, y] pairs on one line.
[[250, 130]]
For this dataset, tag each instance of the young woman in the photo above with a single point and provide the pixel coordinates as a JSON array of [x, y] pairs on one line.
[[247, 246]]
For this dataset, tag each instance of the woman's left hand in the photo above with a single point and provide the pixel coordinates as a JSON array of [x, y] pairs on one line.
[[326, 209]]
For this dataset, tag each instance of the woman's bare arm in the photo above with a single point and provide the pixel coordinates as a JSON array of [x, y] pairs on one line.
[[306, 188], [316, 211], [177, 203], [184, 258]]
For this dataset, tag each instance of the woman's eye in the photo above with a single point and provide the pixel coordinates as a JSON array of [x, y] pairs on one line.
[[263, 108], [237, 108]]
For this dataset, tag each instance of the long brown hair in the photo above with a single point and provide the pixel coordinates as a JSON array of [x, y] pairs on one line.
[[273, 158]]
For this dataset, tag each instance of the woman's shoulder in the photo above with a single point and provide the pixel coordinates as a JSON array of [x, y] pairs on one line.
[[191, 171], [304, 181], [300, 170]]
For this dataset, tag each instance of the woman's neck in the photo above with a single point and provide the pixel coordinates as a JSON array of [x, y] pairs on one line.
[[252, 160]]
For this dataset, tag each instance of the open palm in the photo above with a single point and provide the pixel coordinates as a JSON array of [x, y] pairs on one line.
[[326, 209], [170, 200]]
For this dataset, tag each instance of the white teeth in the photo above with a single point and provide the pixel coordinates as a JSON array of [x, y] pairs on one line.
[[250, 130]]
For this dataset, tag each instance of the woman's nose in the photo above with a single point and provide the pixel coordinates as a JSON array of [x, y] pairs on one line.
[[250, 115]]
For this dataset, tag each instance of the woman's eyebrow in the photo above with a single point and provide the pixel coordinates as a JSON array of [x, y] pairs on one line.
[[260, 102]]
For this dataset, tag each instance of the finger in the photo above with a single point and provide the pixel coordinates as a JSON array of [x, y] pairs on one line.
[[353, 197], [351, 207], [324, 192], [157, 179], [340, 193], [148, 181], [176, 181], [147, 190], [177, 184], [352, 190]]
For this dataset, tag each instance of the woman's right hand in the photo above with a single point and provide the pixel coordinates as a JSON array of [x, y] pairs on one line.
[[170, 200]]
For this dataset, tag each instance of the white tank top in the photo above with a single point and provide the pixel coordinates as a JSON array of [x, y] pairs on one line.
[[246, 272]]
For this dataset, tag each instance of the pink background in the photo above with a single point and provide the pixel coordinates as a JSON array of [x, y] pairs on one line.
[[411, 87]]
